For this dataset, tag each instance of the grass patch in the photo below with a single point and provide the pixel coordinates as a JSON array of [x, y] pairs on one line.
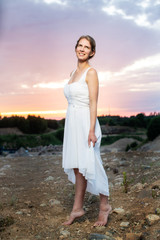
[[13, 201], [16, 141]]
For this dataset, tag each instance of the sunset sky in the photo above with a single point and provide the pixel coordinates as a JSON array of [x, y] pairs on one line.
[[37, 40]]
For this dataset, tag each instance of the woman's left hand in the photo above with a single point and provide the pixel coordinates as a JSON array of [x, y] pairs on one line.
[[92, 138]]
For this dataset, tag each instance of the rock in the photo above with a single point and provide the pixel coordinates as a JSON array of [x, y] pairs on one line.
[[97, 236], [21, 152], [119, 210], [146, 167], [108, 234], [65, 233], [157, 211], [43, 205], [152, 218], [29, 204], [124, 224], [19, 212], [100, 228], [106, 166], [48, 150], [153, 146], [138, 186], [54, 202], [155, 185], [123, 163], [133, 236], [118, 180], [115, 170], [50, 178], [25, 211]]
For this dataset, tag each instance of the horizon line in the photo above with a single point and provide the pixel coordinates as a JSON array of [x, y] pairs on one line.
[[59, 114]]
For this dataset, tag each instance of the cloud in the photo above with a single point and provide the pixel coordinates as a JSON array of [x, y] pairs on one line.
[[50, 85], [60, 2], [144, 13], [142, 75], [146, 64]]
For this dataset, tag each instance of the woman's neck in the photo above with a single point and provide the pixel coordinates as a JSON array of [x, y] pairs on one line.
[[82, 65]]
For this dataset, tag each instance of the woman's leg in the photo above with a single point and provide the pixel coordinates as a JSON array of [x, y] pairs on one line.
[[104, 211], [80, 189]]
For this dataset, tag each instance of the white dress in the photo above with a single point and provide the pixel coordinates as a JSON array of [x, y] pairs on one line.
[[76, 152]]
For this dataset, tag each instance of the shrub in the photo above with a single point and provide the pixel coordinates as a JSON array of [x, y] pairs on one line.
[[61, 122], [47, 139], [37, 124], [154, 128], [53, 124], [128, 148], [133, 145], [59, 134]]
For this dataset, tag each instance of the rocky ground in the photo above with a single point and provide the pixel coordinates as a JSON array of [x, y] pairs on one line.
[[36, 198]]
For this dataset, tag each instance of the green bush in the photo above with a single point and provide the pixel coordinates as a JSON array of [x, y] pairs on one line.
[[128, 148], [31, 125], [154, 128], [133, 145], [17, 141], [47, 139], [37, 124], [53, 124], [59, 134], [61, 123]]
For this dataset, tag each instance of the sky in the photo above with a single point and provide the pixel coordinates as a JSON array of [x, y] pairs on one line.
[[37, 41]]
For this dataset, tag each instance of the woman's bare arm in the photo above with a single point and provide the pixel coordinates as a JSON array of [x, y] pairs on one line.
[[93, 86]]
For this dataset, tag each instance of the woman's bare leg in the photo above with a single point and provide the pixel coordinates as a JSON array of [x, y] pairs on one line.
[[80, 189], [104, 211]]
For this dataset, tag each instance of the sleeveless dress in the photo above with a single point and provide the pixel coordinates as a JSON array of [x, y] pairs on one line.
[[76, 152]]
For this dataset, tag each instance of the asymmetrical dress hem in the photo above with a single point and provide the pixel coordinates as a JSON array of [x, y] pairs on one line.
[[76, 152]]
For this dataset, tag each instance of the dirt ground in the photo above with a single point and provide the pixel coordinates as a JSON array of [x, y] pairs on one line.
[[36, 198]]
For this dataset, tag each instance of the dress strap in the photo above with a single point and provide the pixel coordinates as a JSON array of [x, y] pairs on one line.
[[84, 74], [73, 72]]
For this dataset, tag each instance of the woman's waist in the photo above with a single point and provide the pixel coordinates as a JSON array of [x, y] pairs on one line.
[[78, 104]]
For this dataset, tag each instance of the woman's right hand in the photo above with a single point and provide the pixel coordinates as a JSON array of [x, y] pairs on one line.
[[92, 138]]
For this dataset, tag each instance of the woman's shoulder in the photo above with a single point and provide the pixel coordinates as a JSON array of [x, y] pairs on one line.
[[92, 75], [91, 71]]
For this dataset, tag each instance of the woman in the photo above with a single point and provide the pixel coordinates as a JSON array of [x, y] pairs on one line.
[[82, 135]]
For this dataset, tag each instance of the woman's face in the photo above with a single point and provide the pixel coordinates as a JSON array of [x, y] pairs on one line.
[[83, 50]]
